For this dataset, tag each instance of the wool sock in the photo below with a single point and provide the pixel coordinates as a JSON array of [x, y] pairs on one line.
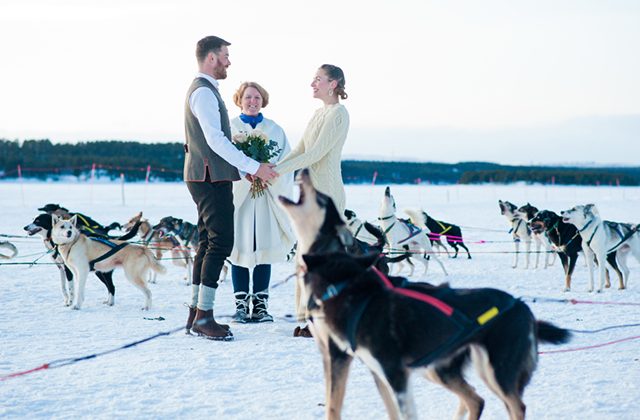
[[206, 297], [195, 290]]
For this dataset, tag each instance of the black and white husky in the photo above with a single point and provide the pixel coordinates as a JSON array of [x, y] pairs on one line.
[[450, 232], [519, 230], [527, 212], [405, 237], [602, 238], [436, 331]]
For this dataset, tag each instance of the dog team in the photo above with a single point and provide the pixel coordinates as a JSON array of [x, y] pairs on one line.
[[344, 291], [579, 229]]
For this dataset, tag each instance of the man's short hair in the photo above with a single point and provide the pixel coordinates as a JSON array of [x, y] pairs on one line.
[[209, 44]]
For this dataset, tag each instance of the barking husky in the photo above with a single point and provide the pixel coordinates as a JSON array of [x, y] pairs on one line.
[[519, 230], [403, 236], [319, 228], [603, 238], [82, 254], [435, 330]]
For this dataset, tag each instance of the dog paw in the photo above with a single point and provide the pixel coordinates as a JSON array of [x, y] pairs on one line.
[[76, 307], [566, 289]]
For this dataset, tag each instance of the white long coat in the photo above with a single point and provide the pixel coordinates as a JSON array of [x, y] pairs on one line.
[[262, 217]]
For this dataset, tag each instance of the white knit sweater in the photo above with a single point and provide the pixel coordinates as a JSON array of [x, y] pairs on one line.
[[320, 150], [262, 219]]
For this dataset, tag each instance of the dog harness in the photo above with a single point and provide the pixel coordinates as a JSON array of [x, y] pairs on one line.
[[444, 228], [355, 235], [467, 327], [514, 229], [623, 237], [560, 244], [413, 229], [114, 248]]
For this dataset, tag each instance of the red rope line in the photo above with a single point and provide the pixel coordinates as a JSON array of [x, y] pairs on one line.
[[26, 372], [595, 346]]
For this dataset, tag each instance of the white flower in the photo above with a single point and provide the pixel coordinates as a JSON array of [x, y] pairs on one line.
[[259, 134], [240, 137]]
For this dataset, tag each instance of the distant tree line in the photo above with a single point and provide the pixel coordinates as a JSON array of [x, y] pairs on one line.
[[42, 159]]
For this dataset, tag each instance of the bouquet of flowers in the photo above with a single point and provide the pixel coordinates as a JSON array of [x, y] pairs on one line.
[[257, 146]]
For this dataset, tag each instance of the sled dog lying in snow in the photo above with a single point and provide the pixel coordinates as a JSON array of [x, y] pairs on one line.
[[602, 238], [397, 328], [83, 254], [402, 235], [43, 225]]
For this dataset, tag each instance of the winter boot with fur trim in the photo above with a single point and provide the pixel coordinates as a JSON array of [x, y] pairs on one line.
[[260, 304], [242, 308]]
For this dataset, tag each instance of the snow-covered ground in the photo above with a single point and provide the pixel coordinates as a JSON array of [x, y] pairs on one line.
[[266, 373]]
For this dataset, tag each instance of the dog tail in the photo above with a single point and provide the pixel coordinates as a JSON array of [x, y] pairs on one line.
[[131, 233], [153, 263], [549, 333], [416, 218], [9, 247]]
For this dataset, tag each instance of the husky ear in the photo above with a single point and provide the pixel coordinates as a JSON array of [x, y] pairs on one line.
[[345, 236], [590, 209], [54, 220], [74, 220], [314, 260]]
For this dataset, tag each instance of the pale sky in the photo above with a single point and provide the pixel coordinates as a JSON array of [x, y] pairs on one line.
[[444, 81]]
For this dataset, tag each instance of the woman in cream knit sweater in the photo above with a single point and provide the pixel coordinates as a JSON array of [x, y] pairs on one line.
[[320, 148]]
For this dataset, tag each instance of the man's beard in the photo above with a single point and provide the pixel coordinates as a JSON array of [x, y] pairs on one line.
[[220, 73]]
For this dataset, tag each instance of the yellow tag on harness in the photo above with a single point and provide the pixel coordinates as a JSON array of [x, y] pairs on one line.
[[486, 317]]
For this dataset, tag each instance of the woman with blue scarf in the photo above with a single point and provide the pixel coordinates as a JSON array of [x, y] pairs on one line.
[[263, 233]]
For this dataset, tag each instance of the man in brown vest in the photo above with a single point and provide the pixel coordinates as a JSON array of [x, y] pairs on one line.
[[211, 164]]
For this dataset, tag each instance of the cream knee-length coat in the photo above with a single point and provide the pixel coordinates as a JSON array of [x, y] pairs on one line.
[[261, 218]]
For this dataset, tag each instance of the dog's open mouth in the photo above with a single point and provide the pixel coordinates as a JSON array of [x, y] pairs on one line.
[[537, 227], [32, 230], [288, 202]]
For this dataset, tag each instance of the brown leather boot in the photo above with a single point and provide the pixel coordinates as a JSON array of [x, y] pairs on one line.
[[190, 318], [205, 325], [302, 332]]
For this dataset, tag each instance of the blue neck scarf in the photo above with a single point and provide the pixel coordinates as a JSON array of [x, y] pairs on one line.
[[253, 121]]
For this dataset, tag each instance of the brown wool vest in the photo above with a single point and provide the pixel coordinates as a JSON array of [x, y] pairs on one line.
[[199, 159]]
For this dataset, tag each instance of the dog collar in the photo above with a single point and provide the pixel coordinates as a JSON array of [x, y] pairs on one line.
[[586, 226], [334, 290], [386, 218]]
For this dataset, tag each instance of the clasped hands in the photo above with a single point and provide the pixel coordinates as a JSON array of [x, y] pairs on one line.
[[265, 173]]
